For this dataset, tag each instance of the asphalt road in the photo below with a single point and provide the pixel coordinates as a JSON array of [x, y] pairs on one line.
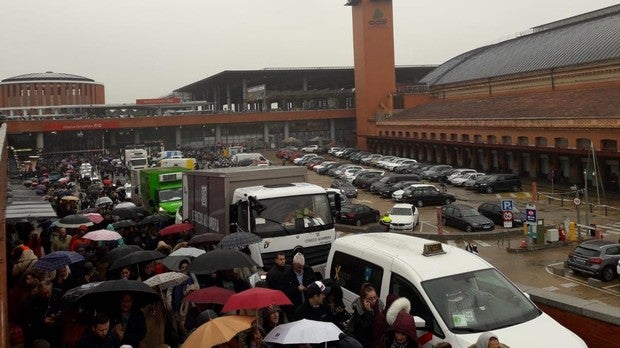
[[529, 268]]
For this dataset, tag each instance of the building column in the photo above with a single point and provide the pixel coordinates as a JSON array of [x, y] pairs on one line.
[[332, 130], [266, 134], [228, 101], [218, 133], [244, 90], [136, 137], [286, 129], [112, 138], [40, 142], [177, 137]]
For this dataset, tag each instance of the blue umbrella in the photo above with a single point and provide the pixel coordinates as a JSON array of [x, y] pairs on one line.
[[58, 259]]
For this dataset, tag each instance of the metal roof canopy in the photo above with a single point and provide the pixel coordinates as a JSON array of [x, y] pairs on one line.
[[26, 205]]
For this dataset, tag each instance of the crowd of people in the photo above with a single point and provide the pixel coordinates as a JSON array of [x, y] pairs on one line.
[[43, 311]]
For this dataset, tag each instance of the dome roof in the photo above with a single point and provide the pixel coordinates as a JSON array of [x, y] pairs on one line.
[[588, 38], [47, 76]]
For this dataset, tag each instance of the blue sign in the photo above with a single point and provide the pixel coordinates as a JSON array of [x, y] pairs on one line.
[[530, 214], [507, 204]]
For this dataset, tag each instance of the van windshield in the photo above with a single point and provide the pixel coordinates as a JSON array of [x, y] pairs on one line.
[[478, 301]]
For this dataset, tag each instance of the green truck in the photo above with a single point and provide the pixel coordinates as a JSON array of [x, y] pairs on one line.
[[161, 189]]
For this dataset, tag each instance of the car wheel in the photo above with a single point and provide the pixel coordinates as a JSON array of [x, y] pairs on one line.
[[489, 189], [443, 221], [419, 203], [447, 201], [358, 222], [376, 218], [607, 274], [468, 228], [516, 188]]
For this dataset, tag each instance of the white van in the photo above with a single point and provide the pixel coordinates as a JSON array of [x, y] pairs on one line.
[[244, 159], [455, 295]]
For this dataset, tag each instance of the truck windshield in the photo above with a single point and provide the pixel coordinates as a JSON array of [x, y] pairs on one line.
[[478, 301], [138, 162], [173, 194], [289, 215]]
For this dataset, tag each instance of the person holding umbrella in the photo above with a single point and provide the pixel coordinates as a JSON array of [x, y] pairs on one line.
[[44, 311], [100, 335], [129, 322], [179, 306]]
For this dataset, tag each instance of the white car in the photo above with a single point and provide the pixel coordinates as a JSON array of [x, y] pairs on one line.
[[321, 165], [404, 217], [298, 160], [398, 194], [460, 180], [310, 148]]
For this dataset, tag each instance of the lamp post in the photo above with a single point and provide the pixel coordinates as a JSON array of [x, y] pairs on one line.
[[585, 197]]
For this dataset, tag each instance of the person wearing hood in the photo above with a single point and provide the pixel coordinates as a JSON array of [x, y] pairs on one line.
[[402, 332], [488, 340], [365, 308]]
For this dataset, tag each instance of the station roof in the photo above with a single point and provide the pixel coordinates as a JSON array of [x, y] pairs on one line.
[[24, 205], [587, 38], [47, 76], [282, 79]]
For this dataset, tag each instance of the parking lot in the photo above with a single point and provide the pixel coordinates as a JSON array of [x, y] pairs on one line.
[[542, 269]]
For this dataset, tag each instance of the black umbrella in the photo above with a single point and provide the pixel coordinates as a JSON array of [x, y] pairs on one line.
[[137, 257], [124, 224], [205, 238], [107, 294], [119, 252], [154, 219], [239, 240], [220, 259], [74, 221], [94, 189], [125, 214], [73, 294]]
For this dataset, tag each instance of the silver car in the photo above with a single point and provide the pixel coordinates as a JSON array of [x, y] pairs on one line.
[[598, 258]]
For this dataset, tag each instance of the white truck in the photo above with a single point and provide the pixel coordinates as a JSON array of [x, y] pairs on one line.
[[135, 158], [274, 202]]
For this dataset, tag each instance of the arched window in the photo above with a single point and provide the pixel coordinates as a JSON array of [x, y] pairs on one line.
[[478, 138], [507, 140], [584, 144], [561, 143], [465, 138], [541, 141], [609, 145], [523, 141]]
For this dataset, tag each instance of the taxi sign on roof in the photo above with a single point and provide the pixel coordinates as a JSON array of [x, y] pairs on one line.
[[431, 249]]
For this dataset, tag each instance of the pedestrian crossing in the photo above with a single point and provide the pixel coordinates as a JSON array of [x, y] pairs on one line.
[[516, 195]]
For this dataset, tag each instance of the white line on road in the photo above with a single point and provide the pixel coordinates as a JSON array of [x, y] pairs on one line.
[[482, 243]]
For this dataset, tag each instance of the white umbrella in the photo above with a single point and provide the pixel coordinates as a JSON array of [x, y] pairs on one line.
[[188, 251], [102, 235], [125, 205], [166, 280], [303, 331], [103, 200]]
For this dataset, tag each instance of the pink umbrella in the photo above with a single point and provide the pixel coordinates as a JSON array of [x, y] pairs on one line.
[[102, 235], [94, 217]]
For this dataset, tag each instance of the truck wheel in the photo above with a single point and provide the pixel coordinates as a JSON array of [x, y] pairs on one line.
[[358, 222], [468, 228], [607, 274], [489, 189]]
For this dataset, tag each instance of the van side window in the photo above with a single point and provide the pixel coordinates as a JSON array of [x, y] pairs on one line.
[[351, 272], [403, 288]]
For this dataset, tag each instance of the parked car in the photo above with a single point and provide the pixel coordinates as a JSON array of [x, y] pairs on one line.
[[404, 217], [427, 195], [317, 168], [324, 168], [347, 188], [387, 190], [358, 214], [598, 258], [461, 179], [465, 218], [500, 182], [310, 148], [494, 212], [366, 179], [392, 179], [299, 160]]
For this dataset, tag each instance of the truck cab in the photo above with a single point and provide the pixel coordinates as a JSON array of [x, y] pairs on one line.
[[162, 189]]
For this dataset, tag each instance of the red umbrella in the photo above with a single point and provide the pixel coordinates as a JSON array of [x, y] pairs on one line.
[[255, 298], [177, 228], [212, 294]]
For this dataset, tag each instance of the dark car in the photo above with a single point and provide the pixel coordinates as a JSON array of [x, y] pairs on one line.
[[367, 180], [387, 190], [327, 167], [595, 257], [494, 212], [346, 187], [358, 214], [465, 218], [363, 176], [421, 195], [499, 182], [390, 180]]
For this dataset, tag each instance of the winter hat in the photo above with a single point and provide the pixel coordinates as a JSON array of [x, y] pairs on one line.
[[400, 320], [483, 339], [348, 341]]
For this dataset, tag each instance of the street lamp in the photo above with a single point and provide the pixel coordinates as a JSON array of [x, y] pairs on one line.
[[585, 197]]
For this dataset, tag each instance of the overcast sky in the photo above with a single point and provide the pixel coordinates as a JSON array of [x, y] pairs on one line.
[[147, 48]]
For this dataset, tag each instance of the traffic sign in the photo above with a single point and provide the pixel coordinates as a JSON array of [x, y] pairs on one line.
[[507, 216], [507, 204], [577, 201], [530, 213]]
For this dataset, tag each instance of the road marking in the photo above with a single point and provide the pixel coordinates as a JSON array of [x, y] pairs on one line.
[[550, 288], [481, 243], [569, 285], [452, 242], [579, 281]]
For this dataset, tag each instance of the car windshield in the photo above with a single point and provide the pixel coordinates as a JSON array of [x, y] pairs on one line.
[[478, 301], [402, 211], [469, 212]]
